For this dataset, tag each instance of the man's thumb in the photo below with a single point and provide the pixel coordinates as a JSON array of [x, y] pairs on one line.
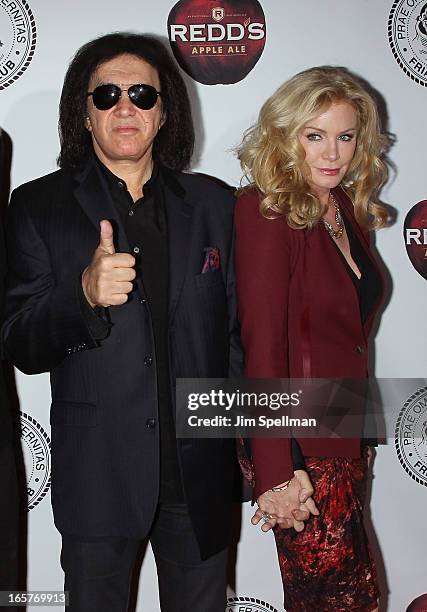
[[106, 241]]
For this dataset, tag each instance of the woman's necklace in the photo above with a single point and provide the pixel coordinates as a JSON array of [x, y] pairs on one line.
[[336, 234]]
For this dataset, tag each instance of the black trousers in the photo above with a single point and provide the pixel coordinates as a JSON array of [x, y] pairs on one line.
[[98, 571], [9, 520]]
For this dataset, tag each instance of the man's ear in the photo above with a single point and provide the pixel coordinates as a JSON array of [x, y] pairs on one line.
[[162, 120], [88, 124]]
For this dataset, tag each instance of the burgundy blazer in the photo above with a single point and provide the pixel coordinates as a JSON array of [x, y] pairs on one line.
[[300, 318]]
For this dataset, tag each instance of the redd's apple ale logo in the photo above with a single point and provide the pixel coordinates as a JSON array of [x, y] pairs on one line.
[[415, 234], [217, 42]]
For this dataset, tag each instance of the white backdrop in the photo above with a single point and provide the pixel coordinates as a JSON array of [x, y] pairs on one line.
[[301, 34]]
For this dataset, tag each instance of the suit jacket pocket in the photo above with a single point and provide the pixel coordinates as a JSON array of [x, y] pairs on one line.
[[208, 279], [69, 412]]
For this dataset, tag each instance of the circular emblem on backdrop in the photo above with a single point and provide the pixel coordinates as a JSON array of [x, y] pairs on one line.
[[411, 436], [415, 235], [217, 42], [248, 604], [407, 34], [17, 40], [36, 449], [418, 605]]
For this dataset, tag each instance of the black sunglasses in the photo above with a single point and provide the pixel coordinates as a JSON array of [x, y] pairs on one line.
[[106, 96]]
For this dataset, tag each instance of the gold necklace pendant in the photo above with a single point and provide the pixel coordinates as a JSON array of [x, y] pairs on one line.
[[335, 234]]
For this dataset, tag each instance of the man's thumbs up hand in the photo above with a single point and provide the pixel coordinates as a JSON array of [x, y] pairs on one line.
[[107, 280]]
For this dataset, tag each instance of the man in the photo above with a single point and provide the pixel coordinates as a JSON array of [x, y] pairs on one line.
[[9, 496], [109, 292], [121, 281]]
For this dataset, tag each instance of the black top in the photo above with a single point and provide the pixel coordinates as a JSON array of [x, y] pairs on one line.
[[145, 225], [368, 287]]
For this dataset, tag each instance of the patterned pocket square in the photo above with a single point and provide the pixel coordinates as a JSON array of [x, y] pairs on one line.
[[211, 259]]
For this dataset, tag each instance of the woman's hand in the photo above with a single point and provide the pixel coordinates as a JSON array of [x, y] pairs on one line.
[[289, 507]]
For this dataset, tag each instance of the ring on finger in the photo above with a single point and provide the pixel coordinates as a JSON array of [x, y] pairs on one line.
[[266, 517]]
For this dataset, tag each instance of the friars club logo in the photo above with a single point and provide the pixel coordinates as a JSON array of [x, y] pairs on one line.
[[36, 449], [407, 34], [415, 234], [411, 436], [217, 42], [248, 604], [17, 40]]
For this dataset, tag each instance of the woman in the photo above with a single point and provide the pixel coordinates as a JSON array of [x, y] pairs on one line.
[[308, 291]]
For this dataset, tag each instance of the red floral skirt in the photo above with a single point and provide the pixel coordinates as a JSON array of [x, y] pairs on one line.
[[328, 567]]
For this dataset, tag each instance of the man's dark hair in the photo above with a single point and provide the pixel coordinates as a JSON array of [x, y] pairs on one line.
[[173, 145]]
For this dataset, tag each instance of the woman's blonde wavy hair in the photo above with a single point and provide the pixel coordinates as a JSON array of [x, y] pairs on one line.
[[272, 158]]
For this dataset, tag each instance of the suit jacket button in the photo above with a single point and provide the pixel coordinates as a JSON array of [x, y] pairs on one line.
[[150, 423], [360, 349], [148, 360]]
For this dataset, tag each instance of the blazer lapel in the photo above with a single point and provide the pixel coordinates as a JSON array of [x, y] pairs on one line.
[[180, 218], [348, 209], [95, 199]]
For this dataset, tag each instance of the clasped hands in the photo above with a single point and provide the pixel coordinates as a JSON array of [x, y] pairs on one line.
[[289, 507], [107, 280]]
